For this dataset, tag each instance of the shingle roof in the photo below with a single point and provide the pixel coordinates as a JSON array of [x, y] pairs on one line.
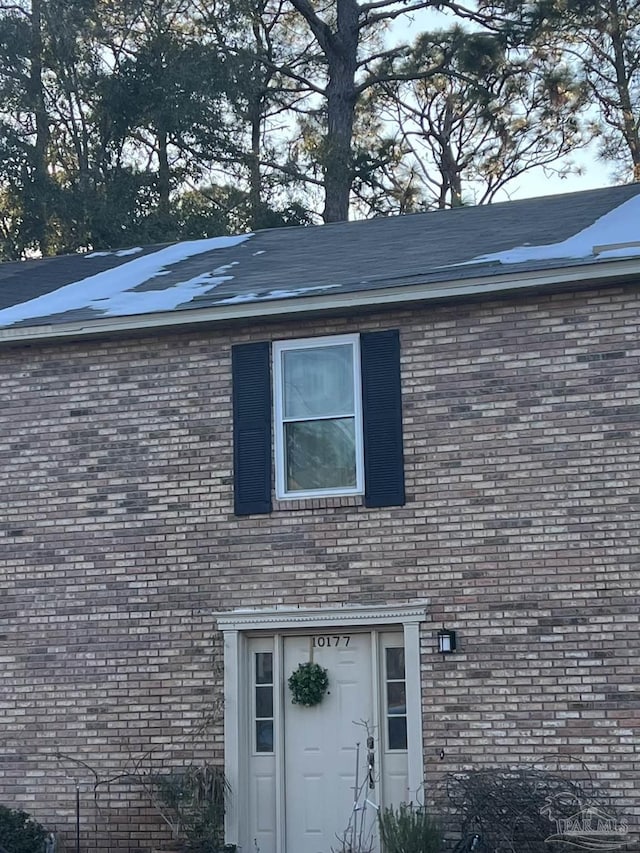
[[357, 257]]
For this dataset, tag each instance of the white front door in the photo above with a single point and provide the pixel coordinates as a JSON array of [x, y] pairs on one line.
[[316, 775], [325, 746]]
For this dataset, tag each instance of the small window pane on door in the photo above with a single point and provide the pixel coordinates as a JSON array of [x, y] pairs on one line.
[[264, 735], [396, 698], [395, 663], [263, 701], [397, 732], [264, 668]]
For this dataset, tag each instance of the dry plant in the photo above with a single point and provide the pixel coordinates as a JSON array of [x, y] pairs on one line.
[[515, 810], [143, 773]]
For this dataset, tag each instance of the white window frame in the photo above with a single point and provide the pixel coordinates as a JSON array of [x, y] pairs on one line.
[[278, 349]]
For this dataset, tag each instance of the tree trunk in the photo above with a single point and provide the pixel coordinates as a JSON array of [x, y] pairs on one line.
[[629, 129], [341, 103], [449, 168], [40, 179], [163, 176], [340, 49], [255, 174], [338, 169]]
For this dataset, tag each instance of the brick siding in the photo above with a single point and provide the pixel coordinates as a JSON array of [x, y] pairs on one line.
[[119, 546]]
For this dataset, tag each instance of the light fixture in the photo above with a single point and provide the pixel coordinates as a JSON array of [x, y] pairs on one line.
[[446, 641]]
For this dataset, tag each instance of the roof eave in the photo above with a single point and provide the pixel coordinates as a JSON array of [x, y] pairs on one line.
[[581, 275]]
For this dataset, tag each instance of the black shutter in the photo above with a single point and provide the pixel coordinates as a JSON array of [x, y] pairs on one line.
[[251, 428], [382, 416]]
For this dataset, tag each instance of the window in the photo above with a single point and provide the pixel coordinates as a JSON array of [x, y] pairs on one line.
[[337, 415], [318, 417], [395, 698], [263, 702]]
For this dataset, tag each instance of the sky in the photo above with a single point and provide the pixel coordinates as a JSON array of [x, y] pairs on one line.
[[591, 172], [536, 183]]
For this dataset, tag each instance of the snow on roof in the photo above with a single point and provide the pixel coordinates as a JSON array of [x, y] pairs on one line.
[[274, 294], [614, 235], [112, 292], [120, 253], [419, 256]]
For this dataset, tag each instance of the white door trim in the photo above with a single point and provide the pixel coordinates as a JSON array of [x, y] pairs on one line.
[[236, 624]]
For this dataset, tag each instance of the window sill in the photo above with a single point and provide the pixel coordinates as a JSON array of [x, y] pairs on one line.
[[326, 502]]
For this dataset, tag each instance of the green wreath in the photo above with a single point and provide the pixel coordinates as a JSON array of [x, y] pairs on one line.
[[308, 684]]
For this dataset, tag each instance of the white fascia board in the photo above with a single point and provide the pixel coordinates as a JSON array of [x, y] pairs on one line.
[[586, 274]]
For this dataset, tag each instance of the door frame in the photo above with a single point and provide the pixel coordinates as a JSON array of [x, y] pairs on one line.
[[237, 625]]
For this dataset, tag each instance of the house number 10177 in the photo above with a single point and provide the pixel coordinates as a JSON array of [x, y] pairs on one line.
[[333, 640]]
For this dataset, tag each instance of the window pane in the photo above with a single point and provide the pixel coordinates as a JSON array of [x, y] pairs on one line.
[[264, 701], [264, 668], [395, 663], [318, 381], [321, 454], [397, 732], [264, 736], [396, 699]]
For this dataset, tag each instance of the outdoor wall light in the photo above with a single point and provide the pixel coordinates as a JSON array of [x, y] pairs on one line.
[[446, 641]]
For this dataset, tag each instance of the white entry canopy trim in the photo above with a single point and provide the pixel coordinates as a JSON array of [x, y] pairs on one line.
[[281, 618]]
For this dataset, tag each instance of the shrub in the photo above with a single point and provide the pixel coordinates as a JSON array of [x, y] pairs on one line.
[[514, 811], [191, 801], [409, 829], [19, 833]]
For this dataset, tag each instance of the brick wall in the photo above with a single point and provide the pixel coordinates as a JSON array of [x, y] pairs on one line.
[[119, 545]]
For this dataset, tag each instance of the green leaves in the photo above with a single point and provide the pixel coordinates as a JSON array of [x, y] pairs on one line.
[[308, 684], [19, 833], [409, 829], [151, 120]]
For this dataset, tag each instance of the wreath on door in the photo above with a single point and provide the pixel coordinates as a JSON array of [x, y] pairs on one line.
[[308, 684]]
